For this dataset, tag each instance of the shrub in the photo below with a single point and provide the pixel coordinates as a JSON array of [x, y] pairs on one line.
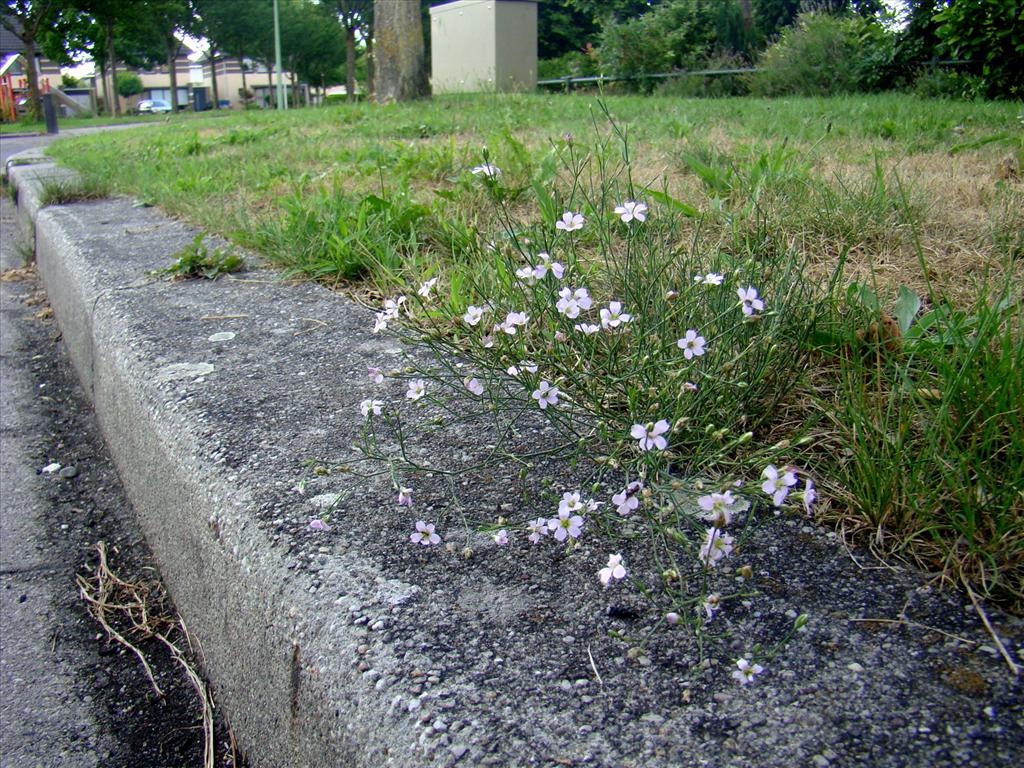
[[991, 35], [128, 84], [571, 64], [712, 86], [822, 55]]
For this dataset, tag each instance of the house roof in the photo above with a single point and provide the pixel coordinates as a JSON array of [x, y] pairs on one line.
[[9, 42]]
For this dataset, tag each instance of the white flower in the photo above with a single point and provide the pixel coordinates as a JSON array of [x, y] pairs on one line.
[[777, 486], [587, 328], [473, 315], [487, 170], [614, 570], [630, 210], [749, 301], [614, 316], [650, 435], [487, 341], [691, 344], [416, 390], [571, 301], [717, 508], [424, 290], [370, 406], [424, 534], [745, 671], [473, 385], [570, 221], [404, 496], [571, 502], [380, 323], [501, 537], [527, 275], [376, 375], [545, 395]]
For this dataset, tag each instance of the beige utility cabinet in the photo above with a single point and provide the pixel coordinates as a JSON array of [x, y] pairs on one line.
[[483, 45]]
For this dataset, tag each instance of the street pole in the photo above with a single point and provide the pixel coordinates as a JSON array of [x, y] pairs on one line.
[[281, 101]]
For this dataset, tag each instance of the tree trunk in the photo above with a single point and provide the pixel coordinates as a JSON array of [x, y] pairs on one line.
[[401, 64], [370, 65], [350, 63], [272, 93], [213, 79], [172, 70], [245, 90], [748, 14], [115, 97], [33, 104], [103, 79]]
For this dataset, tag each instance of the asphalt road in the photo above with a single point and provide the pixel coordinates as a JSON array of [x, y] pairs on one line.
[[68, 695]]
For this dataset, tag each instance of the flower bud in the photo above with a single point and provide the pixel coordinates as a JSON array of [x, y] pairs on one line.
[[672, 618], [746, 571], [467, 552], [801, 621], [670, 574]]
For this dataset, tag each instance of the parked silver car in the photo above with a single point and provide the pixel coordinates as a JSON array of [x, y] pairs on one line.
[[153, 107]]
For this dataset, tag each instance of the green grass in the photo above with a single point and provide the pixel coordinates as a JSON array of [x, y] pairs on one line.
[[65, 123], [921, 446]]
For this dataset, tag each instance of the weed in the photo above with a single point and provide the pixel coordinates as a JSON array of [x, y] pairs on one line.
[[64, 191], [198, 261]]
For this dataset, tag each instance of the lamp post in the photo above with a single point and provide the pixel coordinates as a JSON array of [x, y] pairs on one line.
[[282, 103]]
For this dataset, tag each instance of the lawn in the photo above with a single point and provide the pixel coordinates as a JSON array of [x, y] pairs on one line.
[[885, 234]]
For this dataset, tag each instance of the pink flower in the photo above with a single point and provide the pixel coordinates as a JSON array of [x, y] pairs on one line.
[[473, 315], [711, 604], [366, 407], [745, 671], [473, 385], [717, 508], [810, 496], [717, 545], [416, 390], [538, 529], [512, 321], [566, 525], [501, 537], [777, 486], [404, 497], [316, 524], [614, 570], [650, 435], [424, 534], [630, 210], [571, 301], [691, 344], [749, 301], [627, 499], [546, 264], [570, 222], [545, 395], [587, 328], [613, 317], [376, 375]]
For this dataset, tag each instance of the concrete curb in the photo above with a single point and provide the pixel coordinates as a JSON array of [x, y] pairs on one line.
[[356, 649]]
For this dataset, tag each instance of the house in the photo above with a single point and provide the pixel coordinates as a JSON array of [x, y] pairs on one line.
[[193, 91], [246, 82], [13, 72]]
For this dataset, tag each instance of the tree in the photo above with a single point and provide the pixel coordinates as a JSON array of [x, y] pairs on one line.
[[563, 28], [167, 18], [400, 69], [26, 20], [236, 28], [128, 84], [355, 16]]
